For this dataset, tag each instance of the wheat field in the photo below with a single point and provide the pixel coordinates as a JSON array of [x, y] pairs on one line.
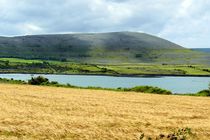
[[35, 112]]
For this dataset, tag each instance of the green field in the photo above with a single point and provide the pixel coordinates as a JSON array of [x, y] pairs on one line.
[[14, 65]]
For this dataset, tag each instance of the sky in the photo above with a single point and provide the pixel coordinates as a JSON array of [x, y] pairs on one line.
[[185, 22]]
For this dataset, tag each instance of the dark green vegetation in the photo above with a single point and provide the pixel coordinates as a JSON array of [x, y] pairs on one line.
[[145, 89], [40, 81], [105, 48], [12, 81], [14, 65], [204, 93], [179, 134]]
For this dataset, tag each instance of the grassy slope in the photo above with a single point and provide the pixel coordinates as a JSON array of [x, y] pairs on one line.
[[33, 112], [14, 65], [118, 47]]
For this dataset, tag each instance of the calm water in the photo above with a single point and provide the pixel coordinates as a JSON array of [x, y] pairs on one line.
[[174, 84]]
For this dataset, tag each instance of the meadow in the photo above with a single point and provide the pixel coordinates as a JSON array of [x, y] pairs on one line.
[[17, 65], [40, 112]]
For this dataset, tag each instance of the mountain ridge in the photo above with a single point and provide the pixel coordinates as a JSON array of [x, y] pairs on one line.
[[111, 47]]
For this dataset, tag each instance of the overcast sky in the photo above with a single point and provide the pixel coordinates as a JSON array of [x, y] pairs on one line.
[[185, 22]]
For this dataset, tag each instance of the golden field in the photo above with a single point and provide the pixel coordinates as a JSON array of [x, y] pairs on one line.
[[35, 112]]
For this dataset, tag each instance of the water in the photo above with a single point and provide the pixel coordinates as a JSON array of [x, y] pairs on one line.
[[174, 84]]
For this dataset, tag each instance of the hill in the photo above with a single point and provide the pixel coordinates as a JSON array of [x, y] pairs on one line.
[[116, 47], [33, 112]]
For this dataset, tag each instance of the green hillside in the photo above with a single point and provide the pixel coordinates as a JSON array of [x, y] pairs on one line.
[[116, 47]]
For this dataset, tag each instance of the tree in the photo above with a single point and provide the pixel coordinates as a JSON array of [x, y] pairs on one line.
[[38, 80]]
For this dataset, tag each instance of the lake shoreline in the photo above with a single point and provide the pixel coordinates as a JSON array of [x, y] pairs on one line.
[[176, 84], [133, 89], [115, 75], [57, 83]]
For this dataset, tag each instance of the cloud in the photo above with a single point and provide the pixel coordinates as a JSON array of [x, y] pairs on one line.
[[190, 26], [29, 28], [182, 21]]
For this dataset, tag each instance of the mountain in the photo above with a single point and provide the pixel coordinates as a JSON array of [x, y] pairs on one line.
[[115, 47]]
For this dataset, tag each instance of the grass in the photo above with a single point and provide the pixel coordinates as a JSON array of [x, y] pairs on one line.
[[155, 69], [37, 112], [16, 65], [18, 60]]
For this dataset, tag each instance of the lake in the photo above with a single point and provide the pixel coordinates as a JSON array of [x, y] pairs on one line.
[[172, 83]]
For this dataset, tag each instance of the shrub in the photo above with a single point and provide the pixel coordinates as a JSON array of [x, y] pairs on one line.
[[12, 81], [138, 55], [54, 83], [69, 85], [203, 93], [148, 89], [40, 80]]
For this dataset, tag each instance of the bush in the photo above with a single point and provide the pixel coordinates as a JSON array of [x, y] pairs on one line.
[[40, 80], [148, 89], [12, 81], [54, 83], [203, 93]]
